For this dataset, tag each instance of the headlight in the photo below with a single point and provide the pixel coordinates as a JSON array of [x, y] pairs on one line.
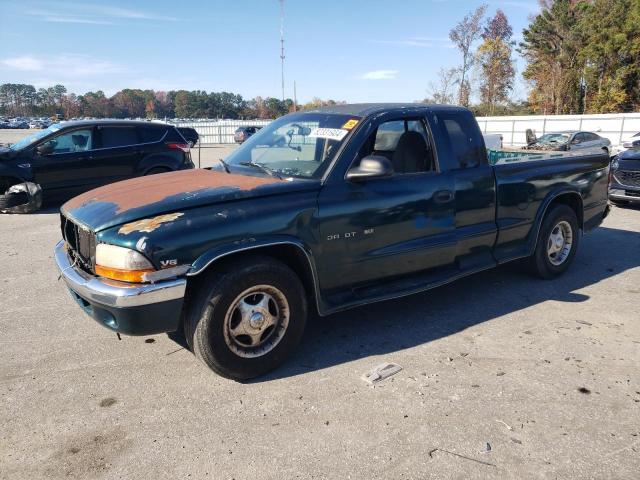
[[614, 163], [119, 263]]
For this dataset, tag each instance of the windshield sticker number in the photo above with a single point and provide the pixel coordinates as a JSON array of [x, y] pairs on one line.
[[336, 134]]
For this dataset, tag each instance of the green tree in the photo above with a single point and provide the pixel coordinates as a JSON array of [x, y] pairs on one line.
[[551, 45]]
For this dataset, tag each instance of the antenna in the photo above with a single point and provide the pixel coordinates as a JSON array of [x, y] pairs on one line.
[[282, 45]]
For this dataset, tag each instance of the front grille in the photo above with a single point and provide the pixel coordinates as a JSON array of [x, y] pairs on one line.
[[80, 241], [630, 178], [631, 193]]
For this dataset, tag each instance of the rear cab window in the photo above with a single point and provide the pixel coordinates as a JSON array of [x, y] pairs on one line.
[[459, 140]]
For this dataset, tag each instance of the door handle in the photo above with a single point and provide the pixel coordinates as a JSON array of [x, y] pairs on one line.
[[443, 196]]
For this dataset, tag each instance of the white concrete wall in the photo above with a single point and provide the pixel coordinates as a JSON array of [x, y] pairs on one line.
[[615, 127]]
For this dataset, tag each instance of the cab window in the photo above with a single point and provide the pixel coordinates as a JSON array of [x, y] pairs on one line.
[[70, 142], [462, 138], [405, 143]]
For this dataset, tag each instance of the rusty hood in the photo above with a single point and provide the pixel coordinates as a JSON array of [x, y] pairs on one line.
[[147, 197]]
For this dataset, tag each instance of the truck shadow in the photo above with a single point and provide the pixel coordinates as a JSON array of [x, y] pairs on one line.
[[387, 327]]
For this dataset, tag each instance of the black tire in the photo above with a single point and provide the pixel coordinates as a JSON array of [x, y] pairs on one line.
[[157, 170], [10, 200], [208, 316], [540, 263]]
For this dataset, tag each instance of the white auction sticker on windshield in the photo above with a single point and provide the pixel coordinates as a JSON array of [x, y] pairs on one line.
[[330, 133]]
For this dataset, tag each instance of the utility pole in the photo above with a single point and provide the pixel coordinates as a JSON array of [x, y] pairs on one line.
[[282, 45], [295, 97]]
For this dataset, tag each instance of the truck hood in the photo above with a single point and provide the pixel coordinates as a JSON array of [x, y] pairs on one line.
[[145, 197]]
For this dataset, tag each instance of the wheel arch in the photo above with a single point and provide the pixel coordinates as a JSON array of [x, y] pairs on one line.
[[291, 252], [570, 198], [156, 160], [7, 181]]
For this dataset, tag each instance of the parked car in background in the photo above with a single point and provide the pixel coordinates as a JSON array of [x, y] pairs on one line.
[[632, 141], [18, 124], [321, 211], [492, 141], [242, 134], [190, 135], [624, 185], [71, 157], [570, 140]]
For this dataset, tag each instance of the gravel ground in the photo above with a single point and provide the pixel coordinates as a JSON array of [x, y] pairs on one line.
[[504, 376]]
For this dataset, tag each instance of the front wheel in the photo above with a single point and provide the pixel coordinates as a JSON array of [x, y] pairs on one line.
[[246, 317], [557, 243]]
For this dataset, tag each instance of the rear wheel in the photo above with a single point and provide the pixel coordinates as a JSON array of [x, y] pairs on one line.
[[246, 318], [557, 243]]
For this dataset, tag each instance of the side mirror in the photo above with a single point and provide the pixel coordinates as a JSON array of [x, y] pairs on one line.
[[45, 149], [371, 166]]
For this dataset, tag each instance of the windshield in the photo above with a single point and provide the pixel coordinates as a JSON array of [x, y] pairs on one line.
[[296, 145], [551, 138], [34, 137]]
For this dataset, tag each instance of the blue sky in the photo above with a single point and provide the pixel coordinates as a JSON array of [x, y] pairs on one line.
[[353, 50]]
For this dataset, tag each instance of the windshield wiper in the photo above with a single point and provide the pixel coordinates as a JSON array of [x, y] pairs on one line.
[[267, 170], [225, 165]]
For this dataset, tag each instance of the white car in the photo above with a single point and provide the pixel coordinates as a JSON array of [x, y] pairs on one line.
[[629, 142]]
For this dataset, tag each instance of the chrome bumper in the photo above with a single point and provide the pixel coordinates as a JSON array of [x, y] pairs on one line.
[[111, 293], [619, 194]]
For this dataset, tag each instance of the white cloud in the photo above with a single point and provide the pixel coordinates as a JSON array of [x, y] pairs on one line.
[[64, 66], [380, 75], [65, 12], [23, 64], [421, 42], [72, 19]]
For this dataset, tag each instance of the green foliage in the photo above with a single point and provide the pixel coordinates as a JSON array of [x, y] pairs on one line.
[[584, 56], [24, 100]]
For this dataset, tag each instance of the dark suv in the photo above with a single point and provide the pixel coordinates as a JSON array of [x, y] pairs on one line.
[[624, 185], [72, 157]]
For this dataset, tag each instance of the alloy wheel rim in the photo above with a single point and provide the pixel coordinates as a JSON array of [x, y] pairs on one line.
[[559, 243], [256, 321]]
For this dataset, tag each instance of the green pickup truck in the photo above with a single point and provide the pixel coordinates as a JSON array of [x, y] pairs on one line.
[[320, 210]]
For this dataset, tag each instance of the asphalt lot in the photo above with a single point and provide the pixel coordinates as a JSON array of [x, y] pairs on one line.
[[545, 372]]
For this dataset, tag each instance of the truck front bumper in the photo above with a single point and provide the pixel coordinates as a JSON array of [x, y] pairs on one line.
[[129, 308]]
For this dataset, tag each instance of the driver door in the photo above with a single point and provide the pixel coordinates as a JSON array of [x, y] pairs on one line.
[[62, 164], [391, 226]]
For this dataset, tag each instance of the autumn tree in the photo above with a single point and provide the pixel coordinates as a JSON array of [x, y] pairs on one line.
[[463, 36], [442, 90], [494, 60]]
